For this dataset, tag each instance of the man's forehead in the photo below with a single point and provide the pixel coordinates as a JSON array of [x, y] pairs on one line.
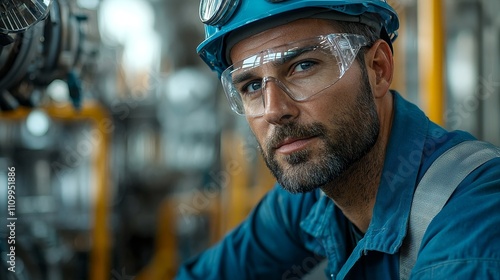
[[278, 36]]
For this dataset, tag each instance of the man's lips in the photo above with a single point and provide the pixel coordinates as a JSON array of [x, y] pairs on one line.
[[290, 145]]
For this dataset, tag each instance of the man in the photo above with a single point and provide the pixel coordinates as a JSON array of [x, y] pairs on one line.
[[312, 78]]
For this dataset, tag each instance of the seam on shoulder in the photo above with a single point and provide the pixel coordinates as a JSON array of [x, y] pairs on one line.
[[489, 261]]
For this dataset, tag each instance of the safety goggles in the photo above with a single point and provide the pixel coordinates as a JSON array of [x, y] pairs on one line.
[[301, 69]]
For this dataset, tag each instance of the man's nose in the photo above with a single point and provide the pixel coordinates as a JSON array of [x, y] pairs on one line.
[[279, 107]]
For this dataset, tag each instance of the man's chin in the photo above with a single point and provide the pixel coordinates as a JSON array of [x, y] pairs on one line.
[[297, 179], [296, 188]]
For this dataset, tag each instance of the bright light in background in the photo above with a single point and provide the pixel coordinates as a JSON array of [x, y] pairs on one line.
[[88, 4], [181, 89], [121, 20], [142, 52], [462, 65], [130, 23], [58, 90], [38, 123]]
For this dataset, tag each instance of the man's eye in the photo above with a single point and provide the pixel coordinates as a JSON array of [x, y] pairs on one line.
[[303, 66], [252, 87]]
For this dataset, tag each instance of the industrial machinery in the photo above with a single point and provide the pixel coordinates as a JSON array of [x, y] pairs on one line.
[[41, 41]]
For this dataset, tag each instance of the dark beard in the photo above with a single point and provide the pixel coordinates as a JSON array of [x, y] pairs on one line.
[[357, 133]]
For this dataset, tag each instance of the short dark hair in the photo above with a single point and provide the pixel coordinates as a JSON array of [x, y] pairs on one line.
[[360, 29]]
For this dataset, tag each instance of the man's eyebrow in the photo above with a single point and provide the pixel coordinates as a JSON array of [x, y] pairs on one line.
[[292, 54], [275, 61], [245, 76]]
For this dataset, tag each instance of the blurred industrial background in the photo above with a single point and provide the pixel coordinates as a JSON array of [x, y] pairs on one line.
[[127, 158]]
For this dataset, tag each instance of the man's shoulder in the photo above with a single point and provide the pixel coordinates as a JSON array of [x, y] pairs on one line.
[[438, 144], [438, 141], [464, 236]]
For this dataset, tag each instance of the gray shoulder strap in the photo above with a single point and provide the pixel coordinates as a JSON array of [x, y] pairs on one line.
[[433, 191]]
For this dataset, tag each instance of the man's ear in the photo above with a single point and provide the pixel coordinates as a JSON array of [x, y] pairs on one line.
[[380, 67]]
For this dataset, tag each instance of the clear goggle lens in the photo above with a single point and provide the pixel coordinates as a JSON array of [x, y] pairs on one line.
[[302, 69]]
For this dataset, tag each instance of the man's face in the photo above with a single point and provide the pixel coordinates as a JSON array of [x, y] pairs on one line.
[[308, 144]]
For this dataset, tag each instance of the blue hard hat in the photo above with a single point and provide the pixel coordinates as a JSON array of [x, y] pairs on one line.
[[223, 17]]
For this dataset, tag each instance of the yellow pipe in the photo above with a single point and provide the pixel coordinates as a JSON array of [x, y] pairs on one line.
[[15, 115], [164, 263], [238, 171], [431, 58], [100, 257]]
